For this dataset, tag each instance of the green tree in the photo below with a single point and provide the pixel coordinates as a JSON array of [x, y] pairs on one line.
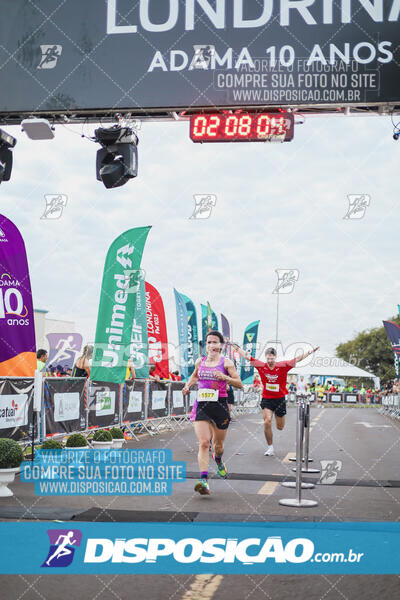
[[370, 350]]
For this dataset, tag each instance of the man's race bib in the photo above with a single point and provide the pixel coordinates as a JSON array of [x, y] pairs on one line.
[[272, 387], [207, 395]]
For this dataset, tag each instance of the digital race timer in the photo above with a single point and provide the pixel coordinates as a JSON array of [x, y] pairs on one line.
[[242, 127]]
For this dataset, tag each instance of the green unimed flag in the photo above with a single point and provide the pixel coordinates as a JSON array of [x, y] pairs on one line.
[[118, 300]]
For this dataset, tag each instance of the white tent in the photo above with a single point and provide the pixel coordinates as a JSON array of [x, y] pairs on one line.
[[322, 365]]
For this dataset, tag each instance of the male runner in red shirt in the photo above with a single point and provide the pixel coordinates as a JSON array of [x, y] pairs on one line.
[[274, 379]]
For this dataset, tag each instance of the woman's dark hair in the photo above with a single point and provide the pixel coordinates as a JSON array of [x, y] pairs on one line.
[[217, 334]]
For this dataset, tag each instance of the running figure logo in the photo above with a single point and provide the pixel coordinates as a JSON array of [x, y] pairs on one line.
[[286, 280], [55, 204], [202, 56], [63, 349], [50, 55], [330, 469], [2, 234], [204, 204], [357, 206], [63, 543]]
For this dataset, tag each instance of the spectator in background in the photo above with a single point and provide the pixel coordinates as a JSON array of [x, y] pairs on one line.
[[83, 364], [257, 385], [152, 373], [69, 372], [320, 396], [174, 376], [332, 389], [41, 359], [130, 370]]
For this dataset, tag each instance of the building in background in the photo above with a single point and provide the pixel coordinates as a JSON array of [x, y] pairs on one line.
[[43, 326]]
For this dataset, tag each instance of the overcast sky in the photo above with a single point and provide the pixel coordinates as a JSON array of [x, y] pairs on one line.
[[279, 206]]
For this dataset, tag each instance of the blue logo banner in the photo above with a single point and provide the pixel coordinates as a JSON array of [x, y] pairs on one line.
[[240, 548]]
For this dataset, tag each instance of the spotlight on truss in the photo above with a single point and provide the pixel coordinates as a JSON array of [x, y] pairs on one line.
[[117, 161], [7, 142]]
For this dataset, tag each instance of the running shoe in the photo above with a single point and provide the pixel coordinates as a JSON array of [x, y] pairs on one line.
[[202, 487], [221, 468], [270, 451]]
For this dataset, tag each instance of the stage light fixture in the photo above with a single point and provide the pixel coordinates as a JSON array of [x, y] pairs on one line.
[[117, 161], [37, 129], [7, 142]]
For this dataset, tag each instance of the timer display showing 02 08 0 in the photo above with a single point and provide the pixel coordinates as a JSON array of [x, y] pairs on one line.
[[242, 127]]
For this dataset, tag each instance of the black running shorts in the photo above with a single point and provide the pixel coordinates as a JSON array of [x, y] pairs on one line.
[[277, 405], [216, 412]]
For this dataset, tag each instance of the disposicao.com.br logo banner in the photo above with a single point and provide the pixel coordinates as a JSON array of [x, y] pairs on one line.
[[155, 548]]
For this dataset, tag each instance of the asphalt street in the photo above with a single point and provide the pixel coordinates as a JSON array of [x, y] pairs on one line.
[[360, 446]]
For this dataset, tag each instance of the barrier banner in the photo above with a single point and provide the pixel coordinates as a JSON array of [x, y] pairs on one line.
[[17, 329], [133, 401], [117, 305], [63, 349], [177, 400], [335, 397], [157, 331], [249, 345], [190, 399], [193, 334], [16, 408], [64, 404], [158, 400], [350, 398], [103, 403]]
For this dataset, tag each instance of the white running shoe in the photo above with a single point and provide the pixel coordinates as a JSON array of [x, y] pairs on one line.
[[270, 451]]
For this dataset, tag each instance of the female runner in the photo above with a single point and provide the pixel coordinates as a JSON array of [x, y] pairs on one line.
[[211, 419]]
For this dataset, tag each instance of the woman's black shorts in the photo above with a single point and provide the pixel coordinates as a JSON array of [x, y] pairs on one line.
[[216, 412]]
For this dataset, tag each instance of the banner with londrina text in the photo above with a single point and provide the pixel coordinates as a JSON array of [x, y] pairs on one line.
[[157, 331], [17, 328], [118, 298], [139, 348], [193, 334], [249, 345]]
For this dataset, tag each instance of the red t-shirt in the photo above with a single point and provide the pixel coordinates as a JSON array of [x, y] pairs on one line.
[[274, 380]]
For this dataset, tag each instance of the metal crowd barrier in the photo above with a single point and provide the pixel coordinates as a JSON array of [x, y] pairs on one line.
[[339, 398], [391, 406]]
